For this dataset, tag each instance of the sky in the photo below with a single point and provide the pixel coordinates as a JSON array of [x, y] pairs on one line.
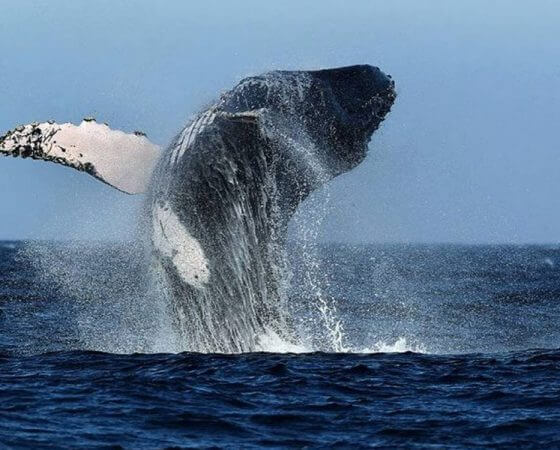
[[468, 154]]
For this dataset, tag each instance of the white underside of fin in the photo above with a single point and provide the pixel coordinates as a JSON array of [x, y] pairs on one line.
[[124, 161]]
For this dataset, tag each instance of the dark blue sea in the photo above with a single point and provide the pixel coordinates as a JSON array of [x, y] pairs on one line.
[[430, 345]]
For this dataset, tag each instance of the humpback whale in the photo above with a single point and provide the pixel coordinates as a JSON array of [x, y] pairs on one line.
[[220, 197]]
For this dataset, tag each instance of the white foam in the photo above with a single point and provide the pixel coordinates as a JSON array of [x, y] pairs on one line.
[[401, 345], [270, 342]]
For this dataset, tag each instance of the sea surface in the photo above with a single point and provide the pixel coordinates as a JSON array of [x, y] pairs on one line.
[[416, 346]]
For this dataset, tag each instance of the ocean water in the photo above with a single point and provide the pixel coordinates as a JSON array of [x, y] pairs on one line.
[[406, 345]]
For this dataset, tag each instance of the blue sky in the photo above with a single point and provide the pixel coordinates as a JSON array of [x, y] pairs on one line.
[[468, 154]]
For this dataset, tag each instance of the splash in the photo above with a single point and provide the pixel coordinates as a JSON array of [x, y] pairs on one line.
[[103, 299], [108, 304], [320, 325]]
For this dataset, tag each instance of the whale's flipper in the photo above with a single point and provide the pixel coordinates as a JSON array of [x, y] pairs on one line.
[[124, 161]]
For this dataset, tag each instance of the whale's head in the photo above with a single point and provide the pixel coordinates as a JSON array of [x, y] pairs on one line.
[[350, 104], [339, 109]]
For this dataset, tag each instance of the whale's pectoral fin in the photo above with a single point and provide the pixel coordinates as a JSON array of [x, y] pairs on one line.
[[124, 161]]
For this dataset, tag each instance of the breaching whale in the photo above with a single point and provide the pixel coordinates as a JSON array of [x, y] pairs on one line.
[[220, 197]]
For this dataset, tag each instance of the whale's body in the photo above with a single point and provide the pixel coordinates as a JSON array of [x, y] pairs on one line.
[[222, 194]]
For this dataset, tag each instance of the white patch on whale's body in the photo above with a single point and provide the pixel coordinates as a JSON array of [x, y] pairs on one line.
[[172, 240]]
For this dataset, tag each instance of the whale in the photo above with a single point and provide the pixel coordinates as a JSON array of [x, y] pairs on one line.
[[220, 197]]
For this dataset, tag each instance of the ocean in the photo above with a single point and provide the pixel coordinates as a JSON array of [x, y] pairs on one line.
[[410, 346]]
